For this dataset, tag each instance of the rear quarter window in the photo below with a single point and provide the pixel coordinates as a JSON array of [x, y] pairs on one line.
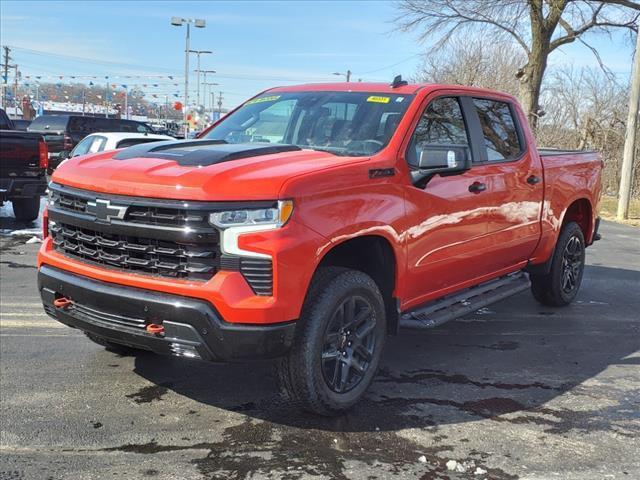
[[501, 138]]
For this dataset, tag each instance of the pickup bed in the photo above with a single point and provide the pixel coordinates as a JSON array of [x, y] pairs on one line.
[[313, 221], [23, 165]]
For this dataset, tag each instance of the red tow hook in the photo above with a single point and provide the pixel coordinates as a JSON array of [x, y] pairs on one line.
[[155, 329], [62, 302]]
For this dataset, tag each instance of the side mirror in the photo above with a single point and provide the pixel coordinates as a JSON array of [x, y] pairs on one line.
[[64, 154], [439, 159]]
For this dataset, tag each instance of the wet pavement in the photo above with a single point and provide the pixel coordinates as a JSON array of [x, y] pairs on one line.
[[513, 391]]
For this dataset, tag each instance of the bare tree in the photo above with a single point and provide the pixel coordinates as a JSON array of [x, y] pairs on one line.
[[473, 61], [538, 27]]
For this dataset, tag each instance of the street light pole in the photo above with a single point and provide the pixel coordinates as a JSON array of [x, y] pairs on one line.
[[346, 75], [178, 22]]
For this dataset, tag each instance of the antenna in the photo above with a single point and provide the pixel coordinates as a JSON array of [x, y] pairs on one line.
[[398, 82]]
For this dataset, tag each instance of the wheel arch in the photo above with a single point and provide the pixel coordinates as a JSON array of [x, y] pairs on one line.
[[581, 212], [374, 255]]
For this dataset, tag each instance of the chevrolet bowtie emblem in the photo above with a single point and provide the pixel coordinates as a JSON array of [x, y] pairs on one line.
[[104, 211]]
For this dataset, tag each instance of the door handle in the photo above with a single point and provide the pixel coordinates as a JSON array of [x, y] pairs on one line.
[[532, 180], [477, 187]]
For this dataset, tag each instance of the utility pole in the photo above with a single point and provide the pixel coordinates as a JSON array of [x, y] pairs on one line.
[[624, 194], [15, 90], [220, 104], [5, 74], [198, 71]]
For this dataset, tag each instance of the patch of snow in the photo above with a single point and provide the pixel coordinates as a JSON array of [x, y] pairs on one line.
[[34, 240], [422, 459], [479, 471]]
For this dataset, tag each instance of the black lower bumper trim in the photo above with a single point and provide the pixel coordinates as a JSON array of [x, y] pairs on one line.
[[193, 328]]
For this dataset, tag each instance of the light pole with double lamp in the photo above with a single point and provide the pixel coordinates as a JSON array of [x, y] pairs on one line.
[[198, 23]]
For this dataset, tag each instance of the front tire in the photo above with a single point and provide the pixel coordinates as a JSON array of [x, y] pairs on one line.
[[560, 286], [338, 344], [26, 209]]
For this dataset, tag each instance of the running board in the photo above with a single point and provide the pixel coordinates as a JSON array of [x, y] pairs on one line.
[[458, 304]]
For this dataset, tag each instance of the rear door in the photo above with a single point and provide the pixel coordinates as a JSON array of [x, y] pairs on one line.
[[513, 180]]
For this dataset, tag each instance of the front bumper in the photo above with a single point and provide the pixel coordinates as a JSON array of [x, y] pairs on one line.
[[193, 328]]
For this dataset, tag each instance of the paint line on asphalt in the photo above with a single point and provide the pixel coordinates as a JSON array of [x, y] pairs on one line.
[[30, 324], [21, 305], [21, 314]]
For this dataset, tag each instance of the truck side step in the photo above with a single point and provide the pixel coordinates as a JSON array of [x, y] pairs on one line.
[[456, 305]]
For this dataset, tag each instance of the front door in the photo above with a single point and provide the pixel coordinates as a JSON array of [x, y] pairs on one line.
[[446, 231]]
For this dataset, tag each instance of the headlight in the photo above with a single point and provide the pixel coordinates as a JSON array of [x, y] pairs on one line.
[[268, 217]]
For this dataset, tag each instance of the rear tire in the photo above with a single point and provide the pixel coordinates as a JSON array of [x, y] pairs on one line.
[[560, 286], [113, 347], [26, 209], [338, 343]]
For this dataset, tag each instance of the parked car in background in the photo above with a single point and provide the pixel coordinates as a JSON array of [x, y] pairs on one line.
[[20, 124], [100, 142], [23, 166], [63, 132], [372, 207]]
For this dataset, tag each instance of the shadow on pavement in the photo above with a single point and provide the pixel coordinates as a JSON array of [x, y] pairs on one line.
[[511, 358]]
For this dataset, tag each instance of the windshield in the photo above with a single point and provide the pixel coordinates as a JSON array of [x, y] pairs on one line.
[[343, 123]]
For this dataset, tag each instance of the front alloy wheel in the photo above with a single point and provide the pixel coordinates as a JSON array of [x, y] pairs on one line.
[[349, 343], [338, 342]]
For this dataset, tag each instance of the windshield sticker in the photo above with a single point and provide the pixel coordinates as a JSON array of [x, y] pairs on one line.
[[377, 99], [271, 98]]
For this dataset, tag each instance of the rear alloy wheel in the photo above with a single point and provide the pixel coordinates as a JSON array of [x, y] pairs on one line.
[[560, 286], [338, 343]]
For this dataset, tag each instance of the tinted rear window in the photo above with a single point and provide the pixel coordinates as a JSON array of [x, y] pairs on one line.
[[92, 124], [129, 142], [499, 129], [49, 123]]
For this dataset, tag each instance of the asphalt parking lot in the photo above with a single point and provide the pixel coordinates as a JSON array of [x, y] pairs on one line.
[[514, 391]]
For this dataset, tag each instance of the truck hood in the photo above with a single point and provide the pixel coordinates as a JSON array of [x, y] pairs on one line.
[[197, 170]]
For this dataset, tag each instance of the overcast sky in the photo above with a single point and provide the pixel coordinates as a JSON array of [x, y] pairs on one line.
[[257, 44]]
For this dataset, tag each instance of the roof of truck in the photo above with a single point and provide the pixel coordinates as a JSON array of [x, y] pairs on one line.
[[408, 89]]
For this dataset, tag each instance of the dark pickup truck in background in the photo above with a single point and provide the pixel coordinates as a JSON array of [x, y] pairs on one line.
[[24, 159], [63, 132]]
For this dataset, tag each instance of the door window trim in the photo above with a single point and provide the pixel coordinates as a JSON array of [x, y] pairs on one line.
[[473, 150], [482, 149]]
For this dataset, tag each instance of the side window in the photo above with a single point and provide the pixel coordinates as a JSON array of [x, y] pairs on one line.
[[441, 134], [499, 129], [82, 147], [97, 145]]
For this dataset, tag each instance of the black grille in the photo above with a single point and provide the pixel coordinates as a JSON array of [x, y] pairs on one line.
[[170, 238], [144, 255], [175, 214]]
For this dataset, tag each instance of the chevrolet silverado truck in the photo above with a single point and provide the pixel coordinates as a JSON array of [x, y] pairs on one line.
[[313, 221], [23, 166]]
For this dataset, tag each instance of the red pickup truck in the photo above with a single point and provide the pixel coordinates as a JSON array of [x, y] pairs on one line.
[[313, 221]]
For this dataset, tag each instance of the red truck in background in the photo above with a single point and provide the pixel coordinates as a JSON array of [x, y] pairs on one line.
[[313, 221]]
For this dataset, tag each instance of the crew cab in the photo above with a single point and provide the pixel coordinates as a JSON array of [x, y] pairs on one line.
[[313, 221], [23, 166]]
